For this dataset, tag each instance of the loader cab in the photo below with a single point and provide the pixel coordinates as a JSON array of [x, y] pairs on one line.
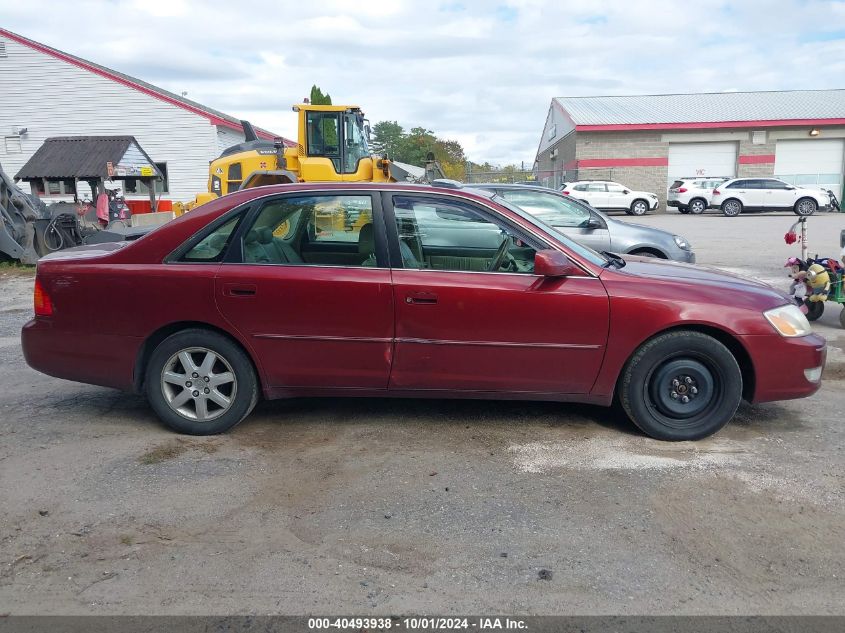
[[336, 143]]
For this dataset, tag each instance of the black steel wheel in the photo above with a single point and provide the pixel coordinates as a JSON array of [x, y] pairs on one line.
[[681, 385]]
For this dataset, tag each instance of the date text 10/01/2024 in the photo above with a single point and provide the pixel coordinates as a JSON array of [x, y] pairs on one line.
[[417, 623]]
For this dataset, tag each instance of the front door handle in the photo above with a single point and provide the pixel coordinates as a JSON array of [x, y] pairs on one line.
[[239, 290], [421, 298]]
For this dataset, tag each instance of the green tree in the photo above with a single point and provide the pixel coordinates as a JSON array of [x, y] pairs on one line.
[[387, 138], [318, 98]]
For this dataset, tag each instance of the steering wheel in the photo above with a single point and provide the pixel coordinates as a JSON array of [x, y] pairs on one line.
[[501, 254]]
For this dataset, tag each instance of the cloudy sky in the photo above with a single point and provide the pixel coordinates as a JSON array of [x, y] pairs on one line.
[[482, 73]]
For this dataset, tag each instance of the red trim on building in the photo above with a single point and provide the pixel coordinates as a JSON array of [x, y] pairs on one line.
[[571, 164], [756, 159], [216, 120], [621, 127], [657, 161]]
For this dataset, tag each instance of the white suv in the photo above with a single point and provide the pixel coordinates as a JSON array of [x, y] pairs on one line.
[[692, 195], [611, 196], [767, 194]]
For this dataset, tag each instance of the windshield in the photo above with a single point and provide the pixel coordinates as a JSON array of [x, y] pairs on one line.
[[549, 207], [356, 141], [587, 253]]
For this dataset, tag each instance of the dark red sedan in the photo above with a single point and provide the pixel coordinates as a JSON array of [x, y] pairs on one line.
[[400, 290]]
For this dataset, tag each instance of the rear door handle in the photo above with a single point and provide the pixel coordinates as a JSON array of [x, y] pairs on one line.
[[239, 290], [421, 298]]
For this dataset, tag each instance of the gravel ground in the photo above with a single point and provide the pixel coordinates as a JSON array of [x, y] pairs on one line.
[[380, 506]]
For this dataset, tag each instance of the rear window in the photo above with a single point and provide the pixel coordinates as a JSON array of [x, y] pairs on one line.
[[676, 184]]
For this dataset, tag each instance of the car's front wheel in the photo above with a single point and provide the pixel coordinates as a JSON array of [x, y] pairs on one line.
[[639, 207], [805, 207], [201, 383], [697, 206], [732, 208], [681, 385]]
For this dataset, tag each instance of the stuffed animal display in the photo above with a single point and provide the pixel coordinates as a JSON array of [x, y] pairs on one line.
[[818, 279]]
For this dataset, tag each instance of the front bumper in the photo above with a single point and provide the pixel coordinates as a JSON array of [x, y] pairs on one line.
[[652, 204], [780, 364]]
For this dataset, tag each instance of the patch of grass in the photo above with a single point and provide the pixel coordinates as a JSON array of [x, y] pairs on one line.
[[14, 267], [126, 539]]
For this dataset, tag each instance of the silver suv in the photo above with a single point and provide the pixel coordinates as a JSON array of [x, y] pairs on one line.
[[692, 195]]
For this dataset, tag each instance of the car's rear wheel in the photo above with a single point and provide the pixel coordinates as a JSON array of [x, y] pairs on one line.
[[732, 207], [683, 210], [639, 207], [805, 207], [201, 383], [681, 385], [815, 309], [697, 206]]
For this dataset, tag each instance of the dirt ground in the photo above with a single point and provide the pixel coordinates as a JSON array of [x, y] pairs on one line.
[[434, 507]]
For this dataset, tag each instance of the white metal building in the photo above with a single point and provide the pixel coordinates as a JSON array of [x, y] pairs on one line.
[[48, 93], [648, 141]]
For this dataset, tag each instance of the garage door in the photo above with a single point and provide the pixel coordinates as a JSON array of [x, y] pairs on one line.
[[688, 160], [811, 162]]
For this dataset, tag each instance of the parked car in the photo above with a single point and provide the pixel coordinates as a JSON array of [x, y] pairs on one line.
[[692, 195], [591, 227], [268, 293], [767, 194], [611, 196]]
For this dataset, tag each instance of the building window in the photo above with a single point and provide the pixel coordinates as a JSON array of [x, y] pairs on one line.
[[13, 144], [3, 52], [552, 131]]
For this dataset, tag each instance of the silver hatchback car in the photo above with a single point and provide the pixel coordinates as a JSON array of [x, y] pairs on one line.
[[590, 226]]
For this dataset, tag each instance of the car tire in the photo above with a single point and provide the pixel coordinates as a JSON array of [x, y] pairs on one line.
[[697, 206], [805, 207], [677, 365], [731, 208], [652, 254], [683, 210], [639, 207], [200, 382], [815, 309]]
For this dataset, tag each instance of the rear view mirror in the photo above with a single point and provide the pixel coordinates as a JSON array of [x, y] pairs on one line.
[[551, 263], [593, 223]]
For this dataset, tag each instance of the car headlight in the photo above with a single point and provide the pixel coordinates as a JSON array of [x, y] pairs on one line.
[[788, 320], [682, 243]]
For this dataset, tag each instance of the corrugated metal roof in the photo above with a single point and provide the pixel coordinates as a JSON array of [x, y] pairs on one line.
[[79, 157], [706, 107]]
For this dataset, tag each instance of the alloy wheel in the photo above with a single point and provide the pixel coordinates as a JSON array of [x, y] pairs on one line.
[[198, 384]]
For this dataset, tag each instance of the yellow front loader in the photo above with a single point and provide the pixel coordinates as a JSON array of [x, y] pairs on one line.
[[333, 146]]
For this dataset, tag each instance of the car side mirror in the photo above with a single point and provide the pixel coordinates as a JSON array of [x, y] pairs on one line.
[[790, 187], [626, 191], [551, 263], [594, 223]]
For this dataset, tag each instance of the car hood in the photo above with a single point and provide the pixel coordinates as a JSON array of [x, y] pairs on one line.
[[695, 274]]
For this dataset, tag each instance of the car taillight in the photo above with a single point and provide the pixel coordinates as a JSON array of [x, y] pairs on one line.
[[716, 192], [42, 302], [682, 190], [566, 193]]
